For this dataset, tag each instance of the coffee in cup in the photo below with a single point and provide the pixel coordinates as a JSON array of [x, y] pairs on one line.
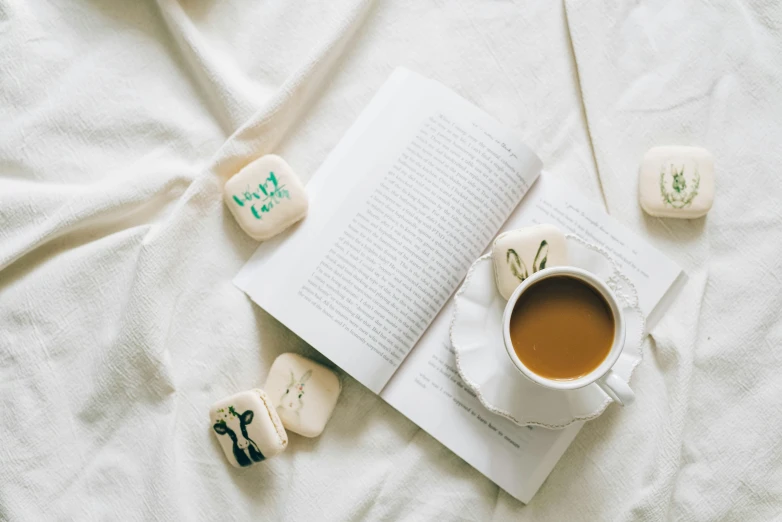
[[563, 329]]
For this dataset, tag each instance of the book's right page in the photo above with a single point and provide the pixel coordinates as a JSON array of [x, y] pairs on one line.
[[428, 389]]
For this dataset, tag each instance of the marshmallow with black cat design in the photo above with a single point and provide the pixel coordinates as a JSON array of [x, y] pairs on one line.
[[248, 428], [265, 197], [304, 393]]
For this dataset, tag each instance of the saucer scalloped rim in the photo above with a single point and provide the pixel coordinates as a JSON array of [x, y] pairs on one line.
[[481, 360]]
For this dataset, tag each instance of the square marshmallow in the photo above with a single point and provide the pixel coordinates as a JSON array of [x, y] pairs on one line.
[[248, 428], [676, 182], [304, 393], [517, 254], [265, 197]]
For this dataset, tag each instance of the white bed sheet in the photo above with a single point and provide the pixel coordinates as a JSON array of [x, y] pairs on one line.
[[119, 326]]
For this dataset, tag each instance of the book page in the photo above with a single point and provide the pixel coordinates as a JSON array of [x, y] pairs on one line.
[[427, 387], [408, 199]]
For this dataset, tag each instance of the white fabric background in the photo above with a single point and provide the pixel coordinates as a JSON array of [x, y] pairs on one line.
[[119, 326]]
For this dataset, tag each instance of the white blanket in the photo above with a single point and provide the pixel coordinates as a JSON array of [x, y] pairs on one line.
[[119, 326]]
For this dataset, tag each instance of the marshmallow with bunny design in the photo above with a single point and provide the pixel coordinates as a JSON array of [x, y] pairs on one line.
[[304, 393], [517, 254], [248, 428]]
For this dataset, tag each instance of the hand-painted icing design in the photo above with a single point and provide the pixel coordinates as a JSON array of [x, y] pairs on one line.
[[272, 194], [517, 266], [234, 425], [679, 196], [292, 398]]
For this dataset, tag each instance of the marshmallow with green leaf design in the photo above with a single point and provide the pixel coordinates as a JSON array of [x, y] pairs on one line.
[[304, 393], [517, 254], [676, 182], [265, 197], [248, 428]]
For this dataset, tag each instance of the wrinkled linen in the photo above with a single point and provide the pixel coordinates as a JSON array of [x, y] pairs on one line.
[[119, 325]]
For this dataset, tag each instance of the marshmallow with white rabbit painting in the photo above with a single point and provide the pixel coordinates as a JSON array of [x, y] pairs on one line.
[[304, 393], [248, 428]]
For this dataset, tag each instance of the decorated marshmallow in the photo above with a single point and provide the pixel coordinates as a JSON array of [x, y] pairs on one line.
[[248, 428], [265, 197], [676, 182], [517, 254], [304, 393]]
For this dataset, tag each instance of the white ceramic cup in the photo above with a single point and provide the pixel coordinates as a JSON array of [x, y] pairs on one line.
[[603, 376]]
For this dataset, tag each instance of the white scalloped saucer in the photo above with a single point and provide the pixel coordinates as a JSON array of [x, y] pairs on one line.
[[476, 336]]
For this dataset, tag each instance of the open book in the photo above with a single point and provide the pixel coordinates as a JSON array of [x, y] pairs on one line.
[[410, 197]]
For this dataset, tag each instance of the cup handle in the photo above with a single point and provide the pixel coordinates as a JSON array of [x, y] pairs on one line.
[[616, 388]]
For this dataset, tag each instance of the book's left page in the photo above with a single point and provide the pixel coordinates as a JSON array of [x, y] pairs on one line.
[[409, 197]]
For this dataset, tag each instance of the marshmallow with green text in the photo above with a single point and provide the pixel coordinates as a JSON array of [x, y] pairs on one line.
[[265, 197]]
